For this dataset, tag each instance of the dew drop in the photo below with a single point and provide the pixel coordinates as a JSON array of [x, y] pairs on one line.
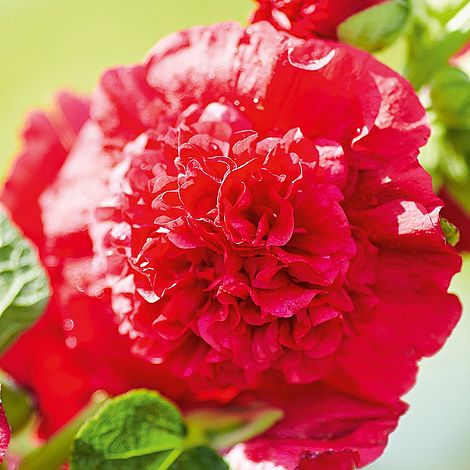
[[236, 103], [71, 342], [256, 100], [68, 324]]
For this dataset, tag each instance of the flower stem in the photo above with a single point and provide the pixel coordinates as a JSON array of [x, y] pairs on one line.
[[56, 450]]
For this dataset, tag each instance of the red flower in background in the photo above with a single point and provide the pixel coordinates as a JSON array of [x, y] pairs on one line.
[[310, 18], [243, 218]]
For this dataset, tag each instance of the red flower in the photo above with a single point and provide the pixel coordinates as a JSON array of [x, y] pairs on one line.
[[310, 18], [249, 208]]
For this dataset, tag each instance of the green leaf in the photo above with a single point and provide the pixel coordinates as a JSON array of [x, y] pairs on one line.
[[450, 231], [137, 430], [450, 95], [24, 288], [141, 430], [376, 27], [199, 458], [427, 61]]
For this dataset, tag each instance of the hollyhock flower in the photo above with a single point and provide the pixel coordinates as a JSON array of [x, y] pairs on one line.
[[310, 18], [241, 219]]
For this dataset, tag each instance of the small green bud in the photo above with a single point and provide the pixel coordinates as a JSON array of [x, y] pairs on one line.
[[450, 231]]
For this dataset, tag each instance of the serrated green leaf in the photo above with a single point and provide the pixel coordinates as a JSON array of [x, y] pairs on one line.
[[199, 458], [376, 27], [450, 231], [137, 430], [24, 287]]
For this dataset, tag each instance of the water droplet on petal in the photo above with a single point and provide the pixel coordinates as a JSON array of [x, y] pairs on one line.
[[71, 342], [68, 324]]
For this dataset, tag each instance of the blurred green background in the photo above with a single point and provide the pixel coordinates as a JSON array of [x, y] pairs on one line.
[[46, 45]]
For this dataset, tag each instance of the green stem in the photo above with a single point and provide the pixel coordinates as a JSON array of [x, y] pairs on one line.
[[223, 428], [460, 21], [56, 450], [431, 57]]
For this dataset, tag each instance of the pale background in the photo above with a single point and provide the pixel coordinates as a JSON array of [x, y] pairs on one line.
[[46, 45]]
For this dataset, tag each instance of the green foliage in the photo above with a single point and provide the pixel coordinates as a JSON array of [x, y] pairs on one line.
[[433, 43], [136, 430], [24, 288], [450, 94], [142, 430], [376, 27], [199, 458]]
